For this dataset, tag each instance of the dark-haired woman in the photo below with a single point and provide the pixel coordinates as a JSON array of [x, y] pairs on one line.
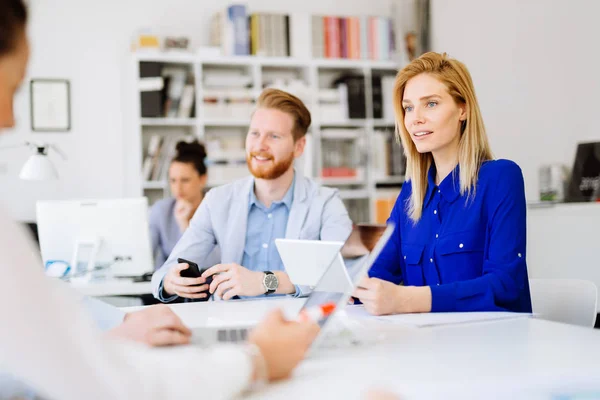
[[170, 217]]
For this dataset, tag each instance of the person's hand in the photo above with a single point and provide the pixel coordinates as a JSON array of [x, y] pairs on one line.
[[184, 211], [154, 326], [191, 288], [282, 343], [383, 298], [235, 280]]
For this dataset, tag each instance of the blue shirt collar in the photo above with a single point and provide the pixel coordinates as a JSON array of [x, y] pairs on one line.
[[287, 199], [449, 188]]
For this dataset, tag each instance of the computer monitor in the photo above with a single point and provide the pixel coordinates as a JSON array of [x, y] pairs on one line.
[[88, 234]]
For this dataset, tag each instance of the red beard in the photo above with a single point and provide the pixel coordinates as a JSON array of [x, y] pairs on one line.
[[271, 169]]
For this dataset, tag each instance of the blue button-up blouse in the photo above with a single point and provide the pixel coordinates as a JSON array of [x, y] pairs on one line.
[[470, 251]]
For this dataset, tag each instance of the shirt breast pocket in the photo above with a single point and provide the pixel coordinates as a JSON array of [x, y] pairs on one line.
[[413, 256], [462, 253]]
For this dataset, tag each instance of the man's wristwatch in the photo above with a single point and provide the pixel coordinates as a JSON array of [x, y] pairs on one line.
[[270, 282]]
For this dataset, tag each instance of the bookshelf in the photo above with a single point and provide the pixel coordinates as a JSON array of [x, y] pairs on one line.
[[347, 148]]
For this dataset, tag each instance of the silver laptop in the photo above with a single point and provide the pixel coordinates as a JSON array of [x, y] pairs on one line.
[[359, 252]]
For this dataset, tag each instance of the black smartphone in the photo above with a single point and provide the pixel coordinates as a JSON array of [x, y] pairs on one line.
[[193, 271]]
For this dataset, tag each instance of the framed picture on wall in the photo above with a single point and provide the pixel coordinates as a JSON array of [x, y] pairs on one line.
[[50, 104]]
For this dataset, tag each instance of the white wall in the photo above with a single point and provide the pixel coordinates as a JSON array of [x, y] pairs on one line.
[[87, 42], [535, 66]]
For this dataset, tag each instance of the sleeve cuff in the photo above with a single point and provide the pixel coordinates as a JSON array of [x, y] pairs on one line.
[[443, 298], [301, 291], [161, 294], [106, 316]]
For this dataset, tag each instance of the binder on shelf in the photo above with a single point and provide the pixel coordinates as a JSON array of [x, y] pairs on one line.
[[177, 80], [152, 89], [357, 108], [377, 94]]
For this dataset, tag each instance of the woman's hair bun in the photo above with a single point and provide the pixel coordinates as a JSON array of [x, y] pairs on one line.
[[194, 149]]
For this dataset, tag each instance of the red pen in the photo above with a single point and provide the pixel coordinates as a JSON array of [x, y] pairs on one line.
[[316, 313]]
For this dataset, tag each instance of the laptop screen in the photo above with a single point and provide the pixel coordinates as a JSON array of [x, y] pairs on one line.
[[350, 265]]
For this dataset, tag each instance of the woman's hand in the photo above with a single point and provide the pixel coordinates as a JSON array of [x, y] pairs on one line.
[[383, 298], [184, 211]]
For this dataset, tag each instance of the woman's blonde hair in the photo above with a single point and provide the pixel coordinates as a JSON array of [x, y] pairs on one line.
[[473, 147]]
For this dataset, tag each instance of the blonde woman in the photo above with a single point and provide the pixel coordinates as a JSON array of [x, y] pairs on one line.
[[460, 218]]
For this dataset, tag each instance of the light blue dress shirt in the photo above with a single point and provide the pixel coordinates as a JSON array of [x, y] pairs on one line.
[[264, 226]]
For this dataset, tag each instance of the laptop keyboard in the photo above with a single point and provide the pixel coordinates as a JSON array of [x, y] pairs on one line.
[[232, 335]]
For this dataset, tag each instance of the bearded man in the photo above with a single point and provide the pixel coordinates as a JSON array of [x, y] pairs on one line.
[[245, 217]]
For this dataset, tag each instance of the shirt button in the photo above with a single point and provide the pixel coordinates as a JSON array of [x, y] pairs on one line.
[[431, 260], [519, 255], [405, 257], [436, 235], [461, 245], [439, 192], [437, 284], [265, 245], [269, 216], [435, 211]]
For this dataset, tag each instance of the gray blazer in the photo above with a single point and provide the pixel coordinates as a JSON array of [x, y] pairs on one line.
[[317, 213]]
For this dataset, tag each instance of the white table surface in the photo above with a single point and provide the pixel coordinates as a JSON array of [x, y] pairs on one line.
[[513, 358], [112, 287]]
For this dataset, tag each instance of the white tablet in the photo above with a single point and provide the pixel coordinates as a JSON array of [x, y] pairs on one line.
[[306, 261]]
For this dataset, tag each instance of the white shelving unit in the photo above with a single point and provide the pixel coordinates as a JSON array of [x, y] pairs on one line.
[[362, 192]]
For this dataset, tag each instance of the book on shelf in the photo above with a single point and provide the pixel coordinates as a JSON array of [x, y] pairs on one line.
[[355, 86], [226, 78], [342, 133], [318, 41], [166, 91], [388, 157], [339, 159], [238, 32], [227, 94], [151, 156], [289, 80], [382, 93], [387, 97], [384, 203], [377, 97], [187, 102], [229, 30], [352, 37], [152, 89], [176, 82], [333, 103], [160, 152]]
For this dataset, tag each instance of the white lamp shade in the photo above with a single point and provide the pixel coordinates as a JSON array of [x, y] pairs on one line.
[[38, 168]]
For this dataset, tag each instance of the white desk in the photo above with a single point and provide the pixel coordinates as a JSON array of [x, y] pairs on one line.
[[113, 287], [516, 358]]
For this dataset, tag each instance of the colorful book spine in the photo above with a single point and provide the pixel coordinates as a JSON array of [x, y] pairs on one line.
[[237, 22]]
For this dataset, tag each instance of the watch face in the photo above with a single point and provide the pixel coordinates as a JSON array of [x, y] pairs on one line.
[[271, 282]]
